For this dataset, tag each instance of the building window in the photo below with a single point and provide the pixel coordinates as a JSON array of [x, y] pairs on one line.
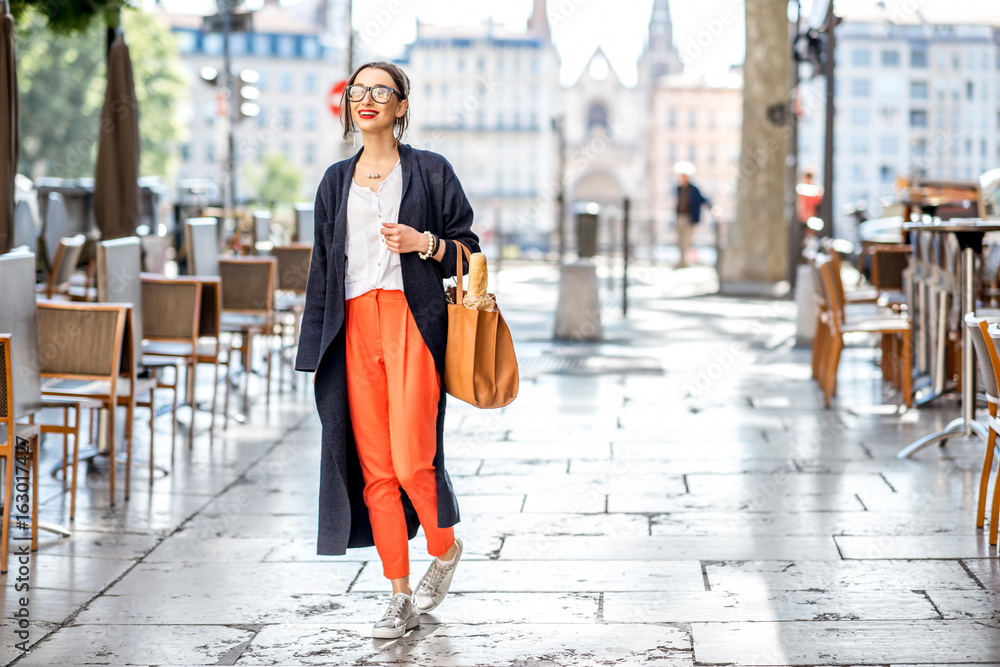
[[918, 118], [711, 154], [285, 84], [888, 144], [286, 46], [212, 44], [262, 45], [597, 116], [186, 152], [672, 153], [860, 117], [461, 64], [919, 148], [918, 90], [481, 64], [711, 119], [890, 58], [885, 174], [210, 151], [859, 146], [309, 82], [310, 48], [969, 90], [918, 58], [286, 115], [693, 119], [309, 118], [982, 148], [968, 147], [672, 118], [956, 61], [692, 153], [187, 41], [861, 57], [310, 153], [858, 173], [861, 87]]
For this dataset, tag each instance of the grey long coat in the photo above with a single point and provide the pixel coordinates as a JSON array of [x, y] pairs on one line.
[[432, 200]]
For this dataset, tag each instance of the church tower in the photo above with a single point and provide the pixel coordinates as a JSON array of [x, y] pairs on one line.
[[660, 57], [538, 23]]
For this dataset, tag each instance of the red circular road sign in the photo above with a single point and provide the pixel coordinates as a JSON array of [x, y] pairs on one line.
[[333, 97]]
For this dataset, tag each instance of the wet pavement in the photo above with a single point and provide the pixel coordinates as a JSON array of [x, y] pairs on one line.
[[675, 495]]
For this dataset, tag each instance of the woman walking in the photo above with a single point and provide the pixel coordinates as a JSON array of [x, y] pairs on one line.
[[374, 331]]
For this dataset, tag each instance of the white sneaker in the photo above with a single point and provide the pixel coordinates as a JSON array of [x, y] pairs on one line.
[[434, 586], [400, 617]]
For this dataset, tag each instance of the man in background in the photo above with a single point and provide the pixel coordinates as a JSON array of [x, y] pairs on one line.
[[689, 203]]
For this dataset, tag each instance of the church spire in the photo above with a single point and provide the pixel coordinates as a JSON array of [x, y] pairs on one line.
[[661, 55], [538, 24]]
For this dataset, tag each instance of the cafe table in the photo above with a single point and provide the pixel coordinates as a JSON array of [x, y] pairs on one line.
[[969, 232]]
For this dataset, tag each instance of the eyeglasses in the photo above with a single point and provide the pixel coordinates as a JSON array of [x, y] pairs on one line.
[[381, 94]]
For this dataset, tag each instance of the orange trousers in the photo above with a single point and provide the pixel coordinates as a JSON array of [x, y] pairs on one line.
[[392, 395]]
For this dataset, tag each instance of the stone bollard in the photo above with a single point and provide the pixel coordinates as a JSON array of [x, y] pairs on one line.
[[578, 314], [805, 301]]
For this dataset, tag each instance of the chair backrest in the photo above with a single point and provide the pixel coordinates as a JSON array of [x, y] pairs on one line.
[[210, 318], [19, 317], [247, 284], [119, 269], [56, 226], [66, 260], [293, 266], [155, 250], [833, 297], [6, 385], [977, 327], [25, 229], [171, 308], [202, 245], [262, 232], [888, 264], [304, 222], [80, 340]]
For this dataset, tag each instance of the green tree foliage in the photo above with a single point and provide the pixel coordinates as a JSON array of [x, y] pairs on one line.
[[61, 77], [68, 16], [277, 183]]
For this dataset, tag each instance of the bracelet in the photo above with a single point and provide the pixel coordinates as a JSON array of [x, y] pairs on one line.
[[430, 246], [436, 239]]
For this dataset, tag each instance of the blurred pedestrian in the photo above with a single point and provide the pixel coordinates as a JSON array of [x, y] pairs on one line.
[[374, 331], [808, 197], [688, 209]]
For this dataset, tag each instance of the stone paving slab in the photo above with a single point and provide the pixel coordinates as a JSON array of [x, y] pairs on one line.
[[270, 608], [746, 502], [884, 575], [139, 645], [285, 578], [730, 606], [813, 523], [48, 605], [845, 642], [472, 645], [585, 576], [702, 547], [917, 546], [92, 544], [966, 604]]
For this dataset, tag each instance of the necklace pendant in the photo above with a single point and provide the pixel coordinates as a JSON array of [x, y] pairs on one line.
[[373, 175]]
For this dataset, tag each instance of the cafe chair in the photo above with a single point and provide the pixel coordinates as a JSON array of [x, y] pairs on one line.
[[895, 368], [17, 458], [290, 299], [248, 310], [67, 257], [990, 335]]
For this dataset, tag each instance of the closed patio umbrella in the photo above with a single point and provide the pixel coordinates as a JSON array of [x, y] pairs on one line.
[[10, 133], [116, 183]]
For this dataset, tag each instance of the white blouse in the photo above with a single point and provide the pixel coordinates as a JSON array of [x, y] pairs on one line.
[[370, 263]]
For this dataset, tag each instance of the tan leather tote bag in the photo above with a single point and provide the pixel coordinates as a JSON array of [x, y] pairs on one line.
[[479, 365]]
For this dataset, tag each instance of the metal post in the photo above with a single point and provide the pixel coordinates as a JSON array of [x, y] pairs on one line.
[[557, 125], [625, 211], [230, 189], [968, 368], [826, 206]]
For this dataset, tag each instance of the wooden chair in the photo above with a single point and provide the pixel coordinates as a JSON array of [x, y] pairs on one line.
[[290, 300], [989, 365], [81, 350], [990, 332], [21, 458], [181, 320], [201, 243], [898, 367], [119, 270], [248, 310], [67, 257]]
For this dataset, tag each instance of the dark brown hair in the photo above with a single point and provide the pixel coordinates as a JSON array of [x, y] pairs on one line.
[[402, 84]]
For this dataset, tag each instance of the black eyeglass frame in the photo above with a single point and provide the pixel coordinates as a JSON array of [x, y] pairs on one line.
[[371, 89]]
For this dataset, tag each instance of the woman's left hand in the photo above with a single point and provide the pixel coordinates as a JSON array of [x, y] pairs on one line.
[[403, 238]]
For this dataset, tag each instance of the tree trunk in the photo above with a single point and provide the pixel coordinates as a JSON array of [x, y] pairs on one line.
[[757, 244]]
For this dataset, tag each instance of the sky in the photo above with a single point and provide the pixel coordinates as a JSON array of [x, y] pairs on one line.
[[708, 33]]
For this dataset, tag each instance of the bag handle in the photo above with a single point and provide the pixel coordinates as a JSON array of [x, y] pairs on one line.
[[459, 249]]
